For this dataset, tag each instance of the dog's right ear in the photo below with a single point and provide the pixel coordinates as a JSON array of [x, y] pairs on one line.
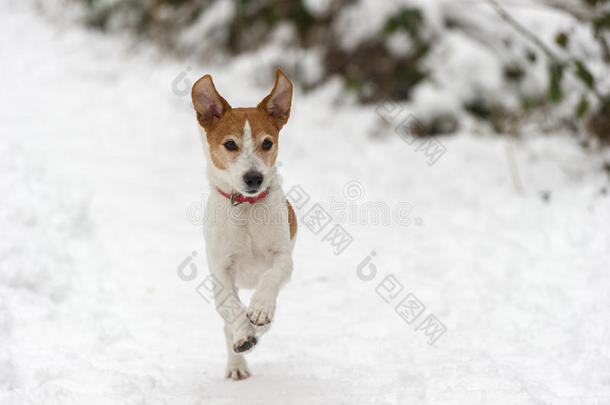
[[210, 106]]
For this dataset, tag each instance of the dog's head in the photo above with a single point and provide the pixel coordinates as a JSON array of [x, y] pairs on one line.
[[243, 142]]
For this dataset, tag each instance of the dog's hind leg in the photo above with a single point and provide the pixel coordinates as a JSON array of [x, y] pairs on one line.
[[237, 367], [233, 311]]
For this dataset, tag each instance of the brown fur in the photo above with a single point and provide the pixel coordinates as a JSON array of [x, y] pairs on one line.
[[292, 221], [231, 126], [221, 122]]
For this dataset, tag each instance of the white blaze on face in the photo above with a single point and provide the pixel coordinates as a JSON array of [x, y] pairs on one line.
[[247, 160], [247, 146]]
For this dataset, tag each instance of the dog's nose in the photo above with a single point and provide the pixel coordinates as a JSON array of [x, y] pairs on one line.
[[253, 179]]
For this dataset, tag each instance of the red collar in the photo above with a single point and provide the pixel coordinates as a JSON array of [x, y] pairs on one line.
[[237, 198]]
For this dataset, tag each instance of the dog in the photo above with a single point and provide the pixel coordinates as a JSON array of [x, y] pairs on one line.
[[249, 226]]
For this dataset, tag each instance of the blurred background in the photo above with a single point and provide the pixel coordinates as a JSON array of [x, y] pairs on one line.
[[460, 148], [539, 62]]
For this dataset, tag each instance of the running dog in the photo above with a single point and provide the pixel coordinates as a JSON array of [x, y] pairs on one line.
[[249, 226]]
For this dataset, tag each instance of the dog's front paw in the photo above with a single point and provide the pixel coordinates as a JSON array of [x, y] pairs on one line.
[[237, 370], [261, 310]]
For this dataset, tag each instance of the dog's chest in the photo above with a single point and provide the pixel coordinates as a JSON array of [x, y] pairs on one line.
[[250, 264], [251, 260], [251, 235]]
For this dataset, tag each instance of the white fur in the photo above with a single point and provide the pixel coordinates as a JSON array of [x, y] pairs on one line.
[[248, 246]]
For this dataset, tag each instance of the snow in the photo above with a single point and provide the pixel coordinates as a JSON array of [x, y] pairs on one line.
[[100, 162]]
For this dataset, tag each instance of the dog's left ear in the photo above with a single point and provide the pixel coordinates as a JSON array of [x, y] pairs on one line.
[[277, 104]]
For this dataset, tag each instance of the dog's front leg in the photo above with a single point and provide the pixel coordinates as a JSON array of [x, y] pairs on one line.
[[262, 304]]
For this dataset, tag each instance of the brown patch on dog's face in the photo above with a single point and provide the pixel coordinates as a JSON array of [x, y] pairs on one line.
[[230, 127], [242, 139]]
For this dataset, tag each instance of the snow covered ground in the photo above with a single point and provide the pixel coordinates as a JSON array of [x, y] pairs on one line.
[[101, 173]]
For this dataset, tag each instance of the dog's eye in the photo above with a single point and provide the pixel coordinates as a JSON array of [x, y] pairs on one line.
[[267, 144], [230, 145]]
